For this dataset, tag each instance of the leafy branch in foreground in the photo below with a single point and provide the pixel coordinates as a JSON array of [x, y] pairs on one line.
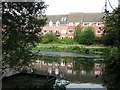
[[21, 24]]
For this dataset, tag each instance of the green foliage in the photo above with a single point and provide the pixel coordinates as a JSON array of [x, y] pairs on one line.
[[85, 37], [112, 73], [20, 26], [96, 50], [49, 38], [88, 36], [112, 37], [67, 41], [98, 40], [112, 30], [78, 33]]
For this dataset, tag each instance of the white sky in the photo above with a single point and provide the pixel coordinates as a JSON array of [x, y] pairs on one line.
[[67, 6]]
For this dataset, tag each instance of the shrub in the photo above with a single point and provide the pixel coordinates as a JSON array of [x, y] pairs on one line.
[[67, 41]]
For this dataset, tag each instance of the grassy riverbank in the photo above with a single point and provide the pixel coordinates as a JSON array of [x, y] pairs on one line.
[[76, 48]]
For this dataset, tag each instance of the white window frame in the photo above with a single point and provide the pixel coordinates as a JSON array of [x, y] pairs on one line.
[[85, 23], [50, 23], [57, 23], [71, 24], [77, 23], [99, 30], [99, 23], [64, 31], [91, 24], [63, 19]]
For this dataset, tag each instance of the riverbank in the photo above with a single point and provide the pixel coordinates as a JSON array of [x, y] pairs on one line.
[[75, 48]]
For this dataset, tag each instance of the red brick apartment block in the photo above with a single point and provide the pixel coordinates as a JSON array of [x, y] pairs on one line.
[[64, 25]]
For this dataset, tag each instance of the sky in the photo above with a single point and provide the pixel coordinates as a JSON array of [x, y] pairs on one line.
[[67, 6]]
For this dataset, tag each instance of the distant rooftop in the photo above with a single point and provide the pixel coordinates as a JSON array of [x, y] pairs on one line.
[[76, 17]]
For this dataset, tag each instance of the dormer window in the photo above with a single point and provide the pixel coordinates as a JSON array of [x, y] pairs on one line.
[[50, 23], [63, 19], [57, 23]]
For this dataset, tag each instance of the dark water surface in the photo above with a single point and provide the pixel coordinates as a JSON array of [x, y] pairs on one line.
[[73, 67]]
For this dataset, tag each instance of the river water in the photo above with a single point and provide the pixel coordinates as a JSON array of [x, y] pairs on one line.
[[72, 67]]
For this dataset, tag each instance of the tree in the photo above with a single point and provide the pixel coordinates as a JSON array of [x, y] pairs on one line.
[[49, 38], [112, 30], [77, 34], [112, 34], [88, 36], [21, 22], [85, 37]]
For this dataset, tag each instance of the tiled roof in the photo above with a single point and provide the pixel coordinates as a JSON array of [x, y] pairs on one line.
[[76, 17], [92, 17], [54, 18], [85, 17]]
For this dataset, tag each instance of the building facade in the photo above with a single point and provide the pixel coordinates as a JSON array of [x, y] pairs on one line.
[[64, 25]]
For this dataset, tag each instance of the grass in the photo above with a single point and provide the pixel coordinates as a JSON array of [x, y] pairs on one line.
[[76, 48]]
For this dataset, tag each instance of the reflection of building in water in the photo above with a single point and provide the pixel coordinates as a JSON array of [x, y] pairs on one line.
[[56, 67], [67, 67], [68, 70]]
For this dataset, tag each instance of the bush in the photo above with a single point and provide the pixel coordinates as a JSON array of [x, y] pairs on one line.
[[49, 38], [85, 37], [67, 41], [98, 40]]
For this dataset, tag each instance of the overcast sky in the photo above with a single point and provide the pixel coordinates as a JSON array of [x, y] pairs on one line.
[[67, 6]]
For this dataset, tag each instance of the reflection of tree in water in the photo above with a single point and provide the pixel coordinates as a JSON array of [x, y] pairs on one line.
[[83, 63]]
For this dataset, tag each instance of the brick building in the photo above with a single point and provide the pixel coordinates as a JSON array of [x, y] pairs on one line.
[[64, 25]]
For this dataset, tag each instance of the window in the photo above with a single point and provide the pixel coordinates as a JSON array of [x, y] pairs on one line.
[[98, 32], [63, 31], [45, 31], [62, 37], [71, 37], [63, 19], [77, 23], [99, 24], [70, 23], [70, 31], [51, 31], [50, 23], [57, 23], [85, 24], [57, 31], [91, 24]]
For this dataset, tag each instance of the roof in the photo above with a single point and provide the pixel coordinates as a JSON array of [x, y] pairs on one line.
[[76, 17], [93, 17], [54, 18]]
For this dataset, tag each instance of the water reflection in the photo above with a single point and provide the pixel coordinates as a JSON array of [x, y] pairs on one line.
[[74, 69]]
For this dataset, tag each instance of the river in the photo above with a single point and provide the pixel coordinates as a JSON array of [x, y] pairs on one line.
[[72, 67]]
